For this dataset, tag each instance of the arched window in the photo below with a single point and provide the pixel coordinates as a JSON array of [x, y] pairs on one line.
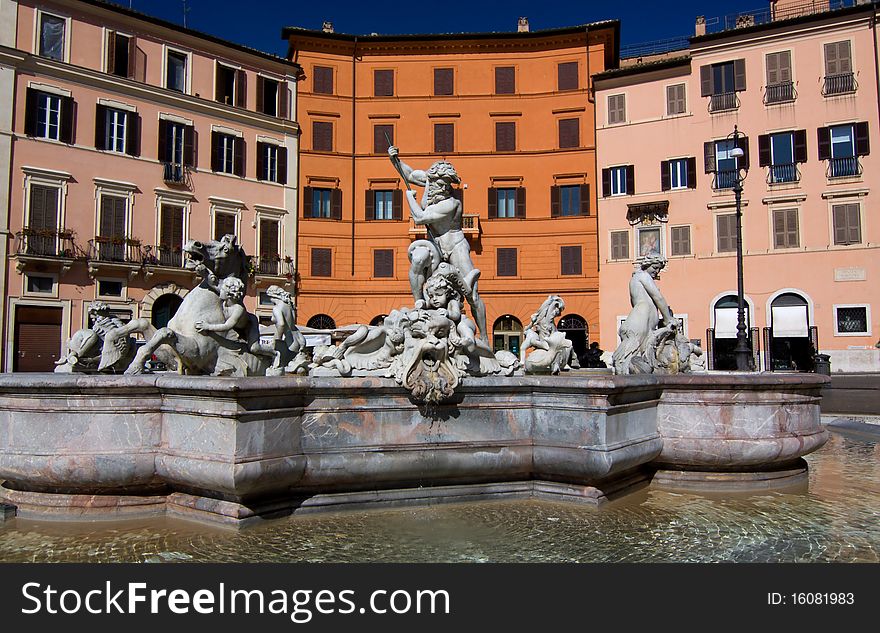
[[578, 332], [378, 320], [164, 307], [321, 322], [791, 344], [722, 338], [507, 334]]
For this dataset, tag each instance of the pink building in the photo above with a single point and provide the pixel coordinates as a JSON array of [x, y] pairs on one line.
[[800, 83], [124, 136]]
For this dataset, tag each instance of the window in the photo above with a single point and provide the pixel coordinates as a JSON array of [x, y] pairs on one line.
[[444, 138], [444, 79], [676, 100], [841, 145], [175, 71], [270, 247], [322, 136], [120, 54], [227, 153], [785, 228], [322, 259], [618, 181], [110, 288], [112, 229], [680, 237], [847, 224], [649, 241], [117, 130], [721, 158], [171, 235], [176, 148], [383, 204], [678, 173], [616, 109], [567, 76], [39, 285], [507, 335], [322, 202], [781, 152], [569, 200], [383, 138], [505, 80], [49, 115], [271, 162], [839, 77], [852, 320], [322, 80], [43, 220], [619, 245], [52, 36], [505, 136], [383, 83], [506, 202], [721, 82], [780, 87], [506, 262], [230, 86], [570, 260], [569, 133], [726, 230], [224, 224], [383, 262], [270, 98]]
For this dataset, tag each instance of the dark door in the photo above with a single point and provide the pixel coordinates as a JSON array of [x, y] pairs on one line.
[[37, 338], [164, 308]]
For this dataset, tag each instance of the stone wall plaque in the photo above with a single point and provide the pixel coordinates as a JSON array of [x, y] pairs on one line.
[[850, 274]]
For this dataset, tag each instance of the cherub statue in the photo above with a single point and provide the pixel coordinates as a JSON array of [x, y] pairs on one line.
[[91, 348], [288, 341], [553, 350]]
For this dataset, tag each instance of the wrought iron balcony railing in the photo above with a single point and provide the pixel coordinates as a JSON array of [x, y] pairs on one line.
[[45, 242], [780, 93], [174, 173], [839, 84], [268, 264], [723, 101], [115, 249], [786, 172], [725, 179], [842, 167], [167, 256]]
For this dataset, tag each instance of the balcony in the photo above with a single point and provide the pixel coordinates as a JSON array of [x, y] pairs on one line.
[[470, 226], [840, 84], [780, 93], [44, 246], [725, 179], [723, 102], [786, 172], [164, 256], [174, 173], [114, 254], [844, 167], [268, 264]]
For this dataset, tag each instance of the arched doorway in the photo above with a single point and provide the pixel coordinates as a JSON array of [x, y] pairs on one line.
[[378, 320], [578, 332], [791, 339], [164, 307], [722, 337], [321, 322], [507, 334]]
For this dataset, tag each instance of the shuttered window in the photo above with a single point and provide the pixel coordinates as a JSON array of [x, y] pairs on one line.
[[269, 240], [570, 258], [171, 234], [681, 240], [383, 262], [567, 76], [271, 162], [505, 80], [778, 68], [443, 81], [319, 202], [224, 224], [444, 138], [616, 109], [121, 54], [112, 221], [224, 84], [268, 97], [227, 154], [176, 143], [569, 200], [838, 58], [505, 136], [383, 137], [49, 116], [43, 208], [322, 262], [619, 245], [506, 261], [383, 83], [569, 133], [847, 224], [322, 136], [785, 228], [726, 226], [676, 99], [322, 80]]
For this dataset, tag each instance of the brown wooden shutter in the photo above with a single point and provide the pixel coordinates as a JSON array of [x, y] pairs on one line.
[[383, 83], [739, 74], [505, 80], [630, 179], [492, 203], [692, 172], [863, 147], [506, 262], [571, 259], [101, 126], [268, 238], [853, 224], [262, 165], [620, 245], [383, 262], [800, 146], [132, 134], [764, 154], [171, 236], [216, 158], [606, 182], [681, 240], [322, 136], [111, 52], [444, 138], [791, 220], [706, 88], [224, 224], [322, 262], [162, 151], [838, 58], [779, 237], [43, 210], [443, 81], [520, 202], [397, 204], [676, 102], [567, 75], [665, 180], [30, 112], [505, 136], [784, 67], [112, 221], [336, 204], [241, 89], [772, 60], [381, 134], [569, 133], [743, 143], [189, 146], [839, 219], [282, 165], [260, 88], [824, 143], [370, 204], [67, 112], [307, 202], [726, 233], [239, 151], [132, 57], [283, 95], [585, 199], [709, 156], [322, 81], [554, 201]]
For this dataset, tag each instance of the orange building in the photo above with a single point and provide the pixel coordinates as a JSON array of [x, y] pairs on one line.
[[512, 111]]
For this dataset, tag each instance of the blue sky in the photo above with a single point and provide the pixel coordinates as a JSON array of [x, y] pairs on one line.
[[258, 23]]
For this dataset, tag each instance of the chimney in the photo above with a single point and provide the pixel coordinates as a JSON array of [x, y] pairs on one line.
[[522, 25], [327, 27], [700, 27]]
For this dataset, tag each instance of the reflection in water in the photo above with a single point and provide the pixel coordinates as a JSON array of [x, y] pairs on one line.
[[836, 519]]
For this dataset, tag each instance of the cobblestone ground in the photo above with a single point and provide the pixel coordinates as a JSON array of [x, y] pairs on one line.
[[837, 518]]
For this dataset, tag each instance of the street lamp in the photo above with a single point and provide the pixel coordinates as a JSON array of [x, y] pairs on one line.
[[742, 352]]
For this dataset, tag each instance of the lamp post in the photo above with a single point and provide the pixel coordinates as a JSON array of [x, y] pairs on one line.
[[742, 352]]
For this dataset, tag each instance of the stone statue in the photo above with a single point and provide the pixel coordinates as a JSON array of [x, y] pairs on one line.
[[593, 356], [211, 333], [441, 213], [88, 349], [650, 343], [553, 351], [288, 341]]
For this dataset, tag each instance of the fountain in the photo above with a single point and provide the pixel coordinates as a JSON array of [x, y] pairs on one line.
[[416, 410]]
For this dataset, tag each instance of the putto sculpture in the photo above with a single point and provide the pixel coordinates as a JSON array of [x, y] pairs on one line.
[[553, 351], [652, 343], [289, 343], [94, 348]]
